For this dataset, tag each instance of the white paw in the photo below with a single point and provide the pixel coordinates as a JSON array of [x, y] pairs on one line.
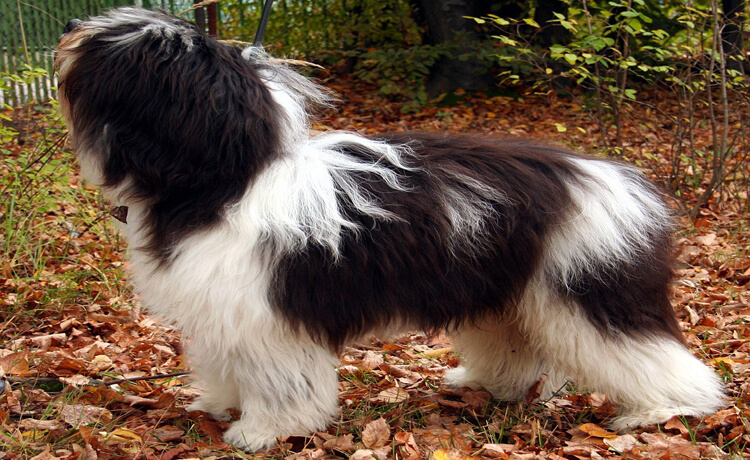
[[633, 420], [458, 377], [248, 438], [204, 404]]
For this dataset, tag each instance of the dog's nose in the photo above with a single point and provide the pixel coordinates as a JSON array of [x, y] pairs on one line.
[[72, 24]]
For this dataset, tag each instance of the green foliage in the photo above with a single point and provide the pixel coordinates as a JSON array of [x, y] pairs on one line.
[[621, 50], [26, 76], [400, 72], [605, 48], [47, 219], [323, 30], [378, 40]]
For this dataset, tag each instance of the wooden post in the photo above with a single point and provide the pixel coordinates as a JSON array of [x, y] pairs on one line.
[[212, 20], [200, 17]]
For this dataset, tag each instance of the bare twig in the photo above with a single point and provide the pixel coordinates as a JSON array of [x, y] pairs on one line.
[[147, 377], [198, 5], [39, 381]]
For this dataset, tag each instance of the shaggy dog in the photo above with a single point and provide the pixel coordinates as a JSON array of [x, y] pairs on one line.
[[271, 249]]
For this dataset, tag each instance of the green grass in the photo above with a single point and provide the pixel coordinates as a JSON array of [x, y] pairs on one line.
[[56, 245]]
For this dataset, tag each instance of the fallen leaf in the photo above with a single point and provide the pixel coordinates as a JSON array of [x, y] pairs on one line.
[[498, 450], [100, 363], [706, 240], [15, 364], [343, 443], [124, 435], [449, 454], [592, 429], [45, 455], [376, 434], [168, 433], [621, 444], [393, 395], [32, 424], [367, 454], [372, 360], [80, 414], [437, 352]]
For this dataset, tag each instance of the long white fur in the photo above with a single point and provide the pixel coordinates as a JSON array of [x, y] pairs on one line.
[[243, 341], [610, 219], [497, 356], [653, 378]]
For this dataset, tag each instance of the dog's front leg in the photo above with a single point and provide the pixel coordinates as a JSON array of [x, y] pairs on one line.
[[287, 386], [214, 375]]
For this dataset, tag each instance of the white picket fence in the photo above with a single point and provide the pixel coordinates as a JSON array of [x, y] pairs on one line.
[[38, 90]]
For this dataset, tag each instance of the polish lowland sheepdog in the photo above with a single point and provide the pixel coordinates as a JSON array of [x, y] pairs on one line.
[[271, 249]]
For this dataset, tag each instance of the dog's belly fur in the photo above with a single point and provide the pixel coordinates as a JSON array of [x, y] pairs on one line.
[[270, 250]]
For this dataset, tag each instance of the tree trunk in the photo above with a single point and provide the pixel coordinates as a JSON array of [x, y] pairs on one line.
[[731, 35], [446, 24]]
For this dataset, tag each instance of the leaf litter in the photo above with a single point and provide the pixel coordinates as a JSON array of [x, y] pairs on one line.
[[87, 376]]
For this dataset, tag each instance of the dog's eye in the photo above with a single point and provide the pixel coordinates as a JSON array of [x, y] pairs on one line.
[[72, 24]]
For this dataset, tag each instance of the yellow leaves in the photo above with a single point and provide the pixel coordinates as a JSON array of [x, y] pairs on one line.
[[123, 435], [441, 454], [724, 360], [100, 363], [449, 454], [438, 352], [31, 435]]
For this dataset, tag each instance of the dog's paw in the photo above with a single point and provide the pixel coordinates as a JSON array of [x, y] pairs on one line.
[[204, 404], [632, 420], [458, 377], [248, 438]]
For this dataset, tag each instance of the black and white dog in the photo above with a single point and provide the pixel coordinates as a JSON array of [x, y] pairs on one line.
[[271, 249]]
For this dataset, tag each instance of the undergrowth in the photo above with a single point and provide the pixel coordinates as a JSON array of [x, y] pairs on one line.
[[54, 234]]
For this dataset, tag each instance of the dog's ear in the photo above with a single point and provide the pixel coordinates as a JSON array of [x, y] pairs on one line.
[[170, 109]]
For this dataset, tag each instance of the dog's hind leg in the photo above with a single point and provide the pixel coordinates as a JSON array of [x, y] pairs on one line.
[[496, 356], [650, 374], [288, 386]]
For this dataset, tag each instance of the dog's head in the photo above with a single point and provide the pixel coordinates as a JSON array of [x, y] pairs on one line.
[[150, 99], [180, 123]]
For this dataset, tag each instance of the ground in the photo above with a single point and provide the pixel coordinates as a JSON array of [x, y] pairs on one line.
[[87, 375]]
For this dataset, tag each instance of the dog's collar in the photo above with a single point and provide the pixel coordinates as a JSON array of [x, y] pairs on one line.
[[120, 213]]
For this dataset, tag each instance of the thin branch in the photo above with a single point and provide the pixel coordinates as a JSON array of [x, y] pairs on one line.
[[39, 381], [147, 377], [198, 5]]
